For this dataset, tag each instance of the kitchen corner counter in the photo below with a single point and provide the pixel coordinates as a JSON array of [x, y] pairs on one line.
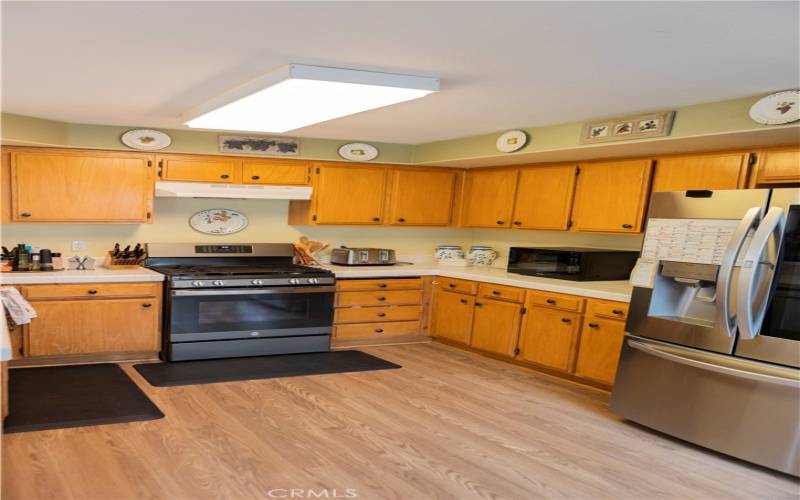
[[607, 290], [99, 275]]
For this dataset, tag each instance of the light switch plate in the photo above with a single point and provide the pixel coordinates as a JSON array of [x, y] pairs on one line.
[[79, 246]]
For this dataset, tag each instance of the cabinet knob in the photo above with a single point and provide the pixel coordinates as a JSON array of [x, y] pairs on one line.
[[627, 226], [224, 176], [255, 177], [550, 301], [25, 214], [617, 311], [92, 292], [464, 301], [382, 285], [500, 222], [594, 325], [452, 285], [517, 223], [401, 219], [147, 305], [381, 314], [376, 219], [379, 330], [496, 292], [381, 299], [566, 320], [478, 304]]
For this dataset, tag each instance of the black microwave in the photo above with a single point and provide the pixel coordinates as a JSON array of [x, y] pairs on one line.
[[577, 264]]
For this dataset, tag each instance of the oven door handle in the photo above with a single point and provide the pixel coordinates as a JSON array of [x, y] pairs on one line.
[[260, 291]]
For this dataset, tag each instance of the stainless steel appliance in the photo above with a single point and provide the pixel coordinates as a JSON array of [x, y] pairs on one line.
[[363, 256], [577, 264], [712, 351], [241, 300]]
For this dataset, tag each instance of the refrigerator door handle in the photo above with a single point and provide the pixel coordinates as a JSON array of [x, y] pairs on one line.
[[725, 275], [750, 316], [754, 374]]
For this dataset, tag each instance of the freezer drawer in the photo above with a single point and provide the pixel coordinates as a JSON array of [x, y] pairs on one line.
[[745, 409]]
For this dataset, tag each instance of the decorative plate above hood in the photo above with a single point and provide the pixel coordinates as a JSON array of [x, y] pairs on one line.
[[231, 191]]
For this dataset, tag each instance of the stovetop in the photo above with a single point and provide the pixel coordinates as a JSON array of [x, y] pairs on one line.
[[213, 271]]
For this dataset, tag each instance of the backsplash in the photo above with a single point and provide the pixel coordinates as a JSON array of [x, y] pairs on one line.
[[267, 223]]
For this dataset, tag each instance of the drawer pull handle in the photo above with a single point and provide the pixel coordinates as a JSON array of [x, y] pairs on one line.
[[379, 330], [25, 214], [381, 314], [224, 176], [452, 285], [478, 304], [594, 325], [500, 222], [92, 292], [517, 223], [566, 320], [627, 226], [401, 219], [550, 301], [255, 177], [382, 285], [617, 311], [376, 219], [496, 292], [464, 301], [381, 299], [147, 305]]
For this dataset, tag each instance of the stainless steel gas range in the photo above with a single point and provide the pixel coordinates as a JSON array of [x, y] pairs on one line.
[[238, 300]]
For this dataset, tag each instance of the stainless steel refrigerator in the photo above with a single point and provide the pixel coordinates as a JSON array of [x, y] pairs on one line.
[[712, 347]]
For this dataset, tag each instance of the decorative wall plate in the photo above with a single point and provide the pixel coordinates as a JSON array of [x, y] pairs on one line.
[[511, 141], [146, 140], [777, 109], [218, 221], [358, 151]]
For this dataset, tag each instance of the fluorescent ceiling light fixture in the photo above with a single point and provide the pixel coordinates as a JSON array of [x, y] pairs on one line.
[[296, 96]]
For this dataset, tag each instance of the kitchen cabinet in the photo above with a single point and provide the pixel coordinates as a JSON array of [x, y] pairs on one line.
[[611, 196], [601, 341], [452, 316], [51, 185], [544, 197], [196, 168], [703, 171], [549, 337], [276, 172], [495, 326], [421, 197], [779, 166], [488, 197], [349, 194]]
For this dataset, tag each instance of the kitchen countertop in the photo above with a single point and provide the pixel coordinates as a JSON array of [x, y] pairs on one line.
[[99, 275], [609, 290]]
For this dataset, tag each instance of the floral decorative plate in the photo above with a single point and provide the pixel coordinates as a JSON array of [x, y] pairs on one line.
[[511, 141], [218, 221], [146, 140], [358, 151], [777, 109]]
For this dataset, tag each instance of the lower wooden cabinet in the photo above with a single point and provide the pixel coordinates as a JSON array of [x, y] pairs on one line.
[[452, 316], [495, 326], [600, 346], [549, 338]]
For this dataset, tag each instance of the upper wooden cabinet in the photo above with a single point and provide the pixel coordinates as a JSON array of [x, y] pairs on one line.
[[778, 166], [717, 171], [611, 196], [544, 197], [488, 198], [80, 186], [276, 171], [421, 197], [199, 168], [349, 194]]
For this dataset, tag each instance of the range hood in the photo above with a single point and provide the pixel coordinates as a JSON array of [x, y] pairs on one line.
[[235, 191]]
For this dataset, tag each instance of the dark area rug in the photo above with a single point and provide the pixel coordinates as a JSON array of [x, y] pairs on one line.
[[57, 397], [261, 367]]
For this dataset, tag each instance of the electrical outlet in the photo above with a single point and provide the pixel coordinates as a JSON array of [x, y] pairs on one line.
[[79, 246]]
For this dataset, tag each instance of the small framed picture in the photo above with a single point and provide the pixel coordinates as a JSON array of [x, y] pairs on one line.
[[628, 128], [598, 131], [651, 125], [623, 128]]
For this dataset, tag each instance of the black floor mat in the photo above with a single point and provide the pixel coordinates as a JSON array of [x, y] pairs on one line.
[[284, 365], [57, 397]]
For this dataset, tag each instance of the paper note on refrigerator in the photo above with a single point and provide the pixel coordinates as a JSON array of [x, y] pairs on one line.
[[701, 241]]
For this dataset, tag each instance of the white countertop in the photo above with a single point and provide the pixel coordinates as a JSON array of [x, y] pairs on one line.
[[99, 275], [608, 290]]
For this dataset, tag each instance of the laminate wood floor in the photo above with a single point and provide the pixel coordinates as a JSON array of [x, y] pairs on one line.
[[450, 424]]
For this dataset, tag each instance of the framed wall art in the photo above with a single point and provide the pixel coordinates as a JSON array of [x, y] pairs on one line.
[[267, 146], [628, 128]]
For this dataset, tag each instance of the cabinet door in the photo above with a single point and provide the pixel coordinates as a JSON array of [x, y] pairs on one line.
[[598, 355], [452, 316], [779, 166], [420, 197], [130, 325], [81, 187], [681, 173], [278, 172], [489, 198], [349, 194], [549, 338], [200, 169], [495, 326], [544, 197], [611, 196]]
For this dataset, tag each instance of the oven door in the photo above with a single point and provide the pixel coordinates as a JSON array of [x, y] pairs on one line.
[[213, 314]]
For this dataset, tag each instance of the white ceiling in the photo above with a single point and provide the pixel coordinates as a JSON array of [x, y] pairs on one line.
[[502, 65]]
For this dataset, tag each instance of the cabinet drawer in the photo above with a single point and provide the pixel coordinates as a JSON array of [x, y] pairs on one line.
[[367, 314], [555, 300], [388, 298], [91, 290], [376, 331], [456, 285], [385, 284], [608, 309], [501, 292]]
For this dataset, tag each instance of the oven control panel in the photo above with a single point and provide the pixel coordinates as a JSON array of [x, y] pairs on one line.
[[223, 249]]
